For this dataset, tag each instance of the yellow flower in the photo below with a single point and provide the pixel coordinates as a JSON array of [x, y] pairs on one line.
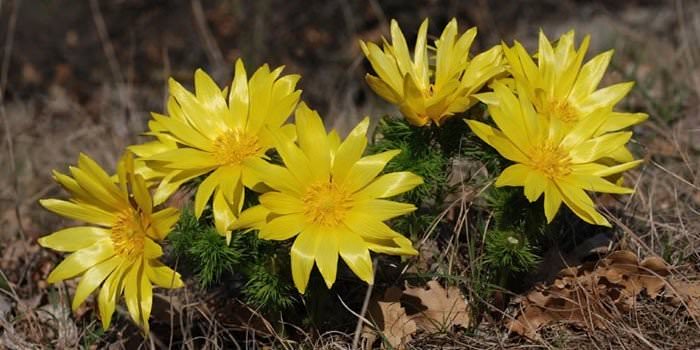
[[119, 254], [218, 133], [331, 199], [426, 95], [562, 88], [550, 158]]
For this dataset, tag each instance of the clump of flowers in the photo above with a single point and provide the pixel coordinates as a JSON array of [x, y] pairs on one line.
[[119, 254], [430, 94], [273, 199], [549, 158], [562, 87]]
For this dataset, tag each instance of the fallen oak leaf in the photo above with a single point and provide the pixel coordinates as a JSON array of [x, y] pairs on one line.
[[391, 321], [439, 309], [584, 295]]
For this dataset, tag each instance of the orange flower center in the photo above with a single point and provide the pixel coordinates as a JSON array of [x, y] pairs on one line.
[[326, 204], [128, 234], [551, 160], [233, 147], [560, 109]]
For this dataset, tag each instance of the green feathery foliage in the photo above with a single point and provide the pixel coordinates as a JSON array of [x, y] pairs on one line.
[[263, 264], [509, 251]]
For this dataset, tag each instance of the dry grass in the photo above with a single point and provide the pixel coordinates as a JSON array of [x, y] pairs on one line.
[[84, 80]]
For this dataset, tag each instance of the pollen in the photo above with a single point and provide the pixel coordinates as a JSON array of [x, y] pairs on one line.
[[550, 160], [326, 204], [128, 234], [233, 147], [560, 109]]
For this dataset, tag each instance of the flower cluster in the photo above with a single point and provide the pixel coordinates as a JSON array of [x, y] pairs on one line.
[[559, 131], [546, 116]]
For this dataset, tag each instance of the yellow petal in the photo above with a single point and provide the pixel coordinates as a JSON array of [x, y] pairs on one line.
[[251, 217], [79, 211], [163, 222], [195, 112], [209, 94], [92, 279], [260, 91], [184, 133], [141, 194], [223, 214], [496, 139], [356, 255], [389, 185], [552, 201], [284, 100], [514, 175], [281, 203], [607, 171], [366, 226], [350, 151], [131, 291], [74, 238], [313, 141], [275, 176], [366, 169], [581, 204], [590, 75], [98, 174], [598, 184], [294, 159], [382, 89], [186, 158], [535, 184], [608, 96], [238, 97], [230, 184], [96, 191], [205, 190], [163, 276], [82, 260], [74, 189], [108, 298], [617, 121], [598, 147], [151, 250], [381, 209], [303, 255], [282, 227], [145, 299], [327, 255], [170, 183]]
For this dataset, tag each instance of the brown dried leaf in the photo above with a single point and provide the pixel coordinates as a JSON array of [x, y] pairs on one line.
[[440, 308], [391, 320], [687, 293], [583, 295]]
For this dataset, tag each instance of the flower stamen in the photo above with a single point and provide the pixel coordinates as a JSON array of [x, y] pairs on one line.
[[233, 147], [550, 160], [561, 110], [128, 235], [326, 204]]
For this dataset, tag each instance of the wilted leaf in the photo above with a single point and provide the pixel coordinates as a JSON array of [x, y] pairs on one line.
[[687, 293], [439, 308], [391, 320], [584, 295]]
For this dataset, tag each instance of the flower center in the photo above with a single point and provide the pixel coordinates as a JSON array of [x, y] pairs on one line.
[[326, 204], [560, 109], [128, 235], [234, 147], [551, 160]]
